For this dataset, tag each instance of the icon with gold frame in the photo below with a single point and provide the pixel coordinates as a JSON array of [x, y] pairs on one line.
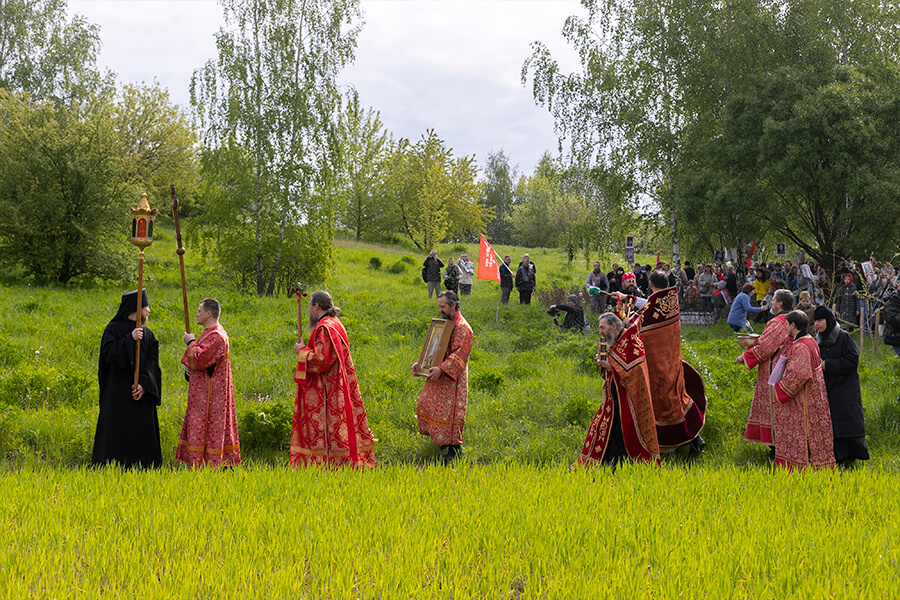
[[435, 347]]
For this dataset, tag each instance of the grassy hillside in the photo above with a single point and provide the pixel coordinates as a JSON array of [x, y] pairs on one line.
[[533, 390]]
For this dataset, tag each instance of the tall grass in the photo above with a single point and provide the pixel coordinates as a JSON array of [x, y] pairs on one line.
[[500, 531]]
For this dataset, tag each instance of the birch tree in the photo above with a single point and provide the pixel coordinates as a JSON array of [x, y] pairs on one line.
[[269, 101]]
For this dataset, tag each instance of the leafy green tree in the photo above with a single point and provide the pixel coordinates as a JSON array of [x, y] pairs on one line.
[[269, 103], [46, 54], [366, 157], [63, 200], [824, 149], [499, 194], [158, 143], [531, 215], [435, 195]]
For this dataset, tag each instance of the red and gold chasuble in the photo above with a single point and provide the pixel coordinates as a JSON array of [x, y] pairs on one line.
[[802, 415], [628, 362], [772, 343], [330, 426], [677, 390], [441, 409], [209, 435]]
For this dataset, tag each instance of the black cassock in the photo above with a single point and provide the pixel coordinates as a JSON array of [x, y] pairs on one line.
[[128, 431]]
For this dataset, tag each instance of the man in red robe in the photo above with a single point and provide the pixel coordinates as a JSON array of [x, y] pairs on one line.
[[677, 390], [624, 426], [764, 352], [441, 409], [802, 415], [209, 435], [330, 425]]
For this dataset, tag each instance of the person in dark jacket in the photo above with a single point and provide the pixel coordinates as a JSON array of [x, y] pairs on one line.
[[432, 272], [525, 280], [574, 319], [506, 279], [840, 361]]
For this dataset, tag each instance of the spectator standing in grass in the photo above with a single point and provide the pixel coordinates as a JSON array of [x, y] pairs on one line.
[[127, 426], [706, 284], [526, 280], [451, 276], [847, 304], [689, 271], [731, 281], [840, 364], [764, 352], [506, 279], [597, 278], [441, 409], [805, 436], [761, 286], [330, 425], [466, 271], [209, 435], [623, 427], [432, 272]]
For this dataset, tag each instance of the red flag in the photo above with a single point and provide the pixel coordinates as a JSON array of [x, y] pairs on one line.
[[487, 262], [657, 258], [750, 255]]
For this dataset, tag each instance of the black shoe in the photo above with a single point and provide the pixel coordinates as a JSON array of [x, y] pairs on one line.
[[697, 446], [453, 452]]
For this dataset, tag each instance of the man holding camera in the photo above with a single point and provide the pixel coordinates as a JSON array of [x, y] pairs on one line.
[[574, 319]]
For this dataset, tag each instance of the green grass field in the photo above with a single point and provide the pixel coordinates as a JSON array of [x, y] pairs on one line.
[[510, 522]]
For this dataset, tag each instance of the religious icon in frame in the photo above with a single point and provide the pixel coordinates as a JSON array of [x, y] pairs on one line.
[[435, 347]]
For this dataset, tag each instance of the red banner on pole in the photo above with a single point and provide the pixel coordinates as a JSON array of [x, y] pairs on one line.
[[487, 262]]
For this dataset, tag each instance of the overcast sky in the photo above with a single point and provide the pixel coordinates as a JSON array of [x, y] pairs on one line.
[[449, 65]]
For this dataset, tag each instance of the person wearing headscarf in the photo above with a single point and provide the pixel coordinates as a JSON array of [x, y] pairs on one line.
[[840, 362], [127, 426]]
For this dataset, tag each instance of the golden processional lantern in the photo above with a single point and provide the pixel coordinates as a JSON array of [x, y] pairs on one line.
[[141, 236], [142, 224]]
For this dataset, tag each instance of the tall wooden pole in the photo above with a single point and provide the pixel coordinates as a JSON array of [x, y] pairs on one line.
[[180, 252], [139, 321]]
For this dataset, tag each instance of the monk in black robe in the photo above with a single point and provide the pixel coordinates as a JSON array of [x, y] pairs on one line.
[[127, 427]]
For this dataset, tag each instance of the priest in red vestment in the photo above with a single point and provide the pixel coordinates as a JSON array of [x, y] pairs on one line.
[[441, 409], [209, 435], [802, 415], [624, 426], [677, 390], [330, 425], [764, 353]]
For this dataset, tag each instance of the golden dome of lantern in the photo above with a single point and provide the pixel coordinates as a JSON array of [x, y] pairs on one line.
[[142, 224]]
